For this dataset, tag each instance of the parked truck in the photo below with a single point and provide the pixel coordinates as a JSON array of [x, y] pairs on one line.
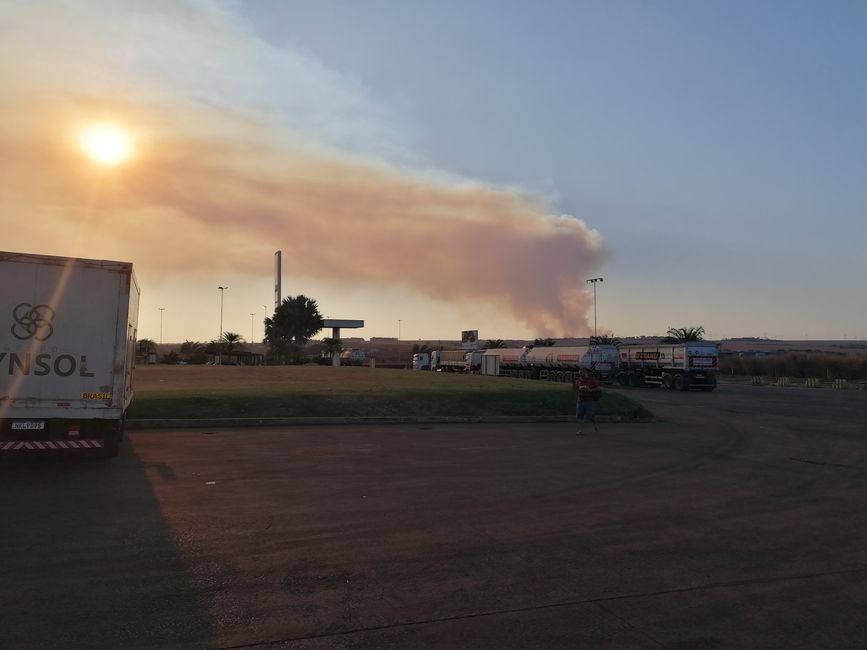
[[67, 351], [447, 360], [679, 366], [421, 361], [454, 360], [557, 363]]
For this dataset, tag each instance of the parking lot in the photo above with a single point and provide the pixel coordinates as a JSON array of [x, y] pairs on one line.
[[735, 520]]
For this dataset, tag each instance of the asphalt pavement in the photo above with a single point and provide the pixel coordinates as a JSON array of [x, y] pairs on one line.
[[735, 520]]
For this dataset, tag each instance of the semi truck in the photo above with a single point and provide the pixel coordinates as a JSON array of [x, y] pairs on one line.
[[67, 351], [447, 360], [678, 366], [454, 360]]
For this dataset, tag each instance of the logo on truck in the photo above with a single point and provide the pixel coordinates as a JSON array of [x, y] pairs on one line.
[[32, 322]]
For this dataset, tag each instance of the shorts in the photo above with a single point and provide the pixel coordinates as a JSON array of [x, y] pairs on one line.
[[586, 410]]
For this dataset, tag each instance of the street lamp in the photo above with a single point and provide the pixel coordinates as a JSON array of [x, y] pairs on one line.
[[398, 330], [252, 314], [162, 309], [222, 290], [593, 281]]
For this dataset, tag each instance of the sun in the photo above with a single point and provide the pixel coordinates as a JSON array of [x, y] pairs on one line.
[[106, 144]]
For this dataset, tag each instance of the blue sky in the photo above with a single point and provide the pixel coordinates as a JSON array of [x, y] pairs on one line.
[[709, 159]]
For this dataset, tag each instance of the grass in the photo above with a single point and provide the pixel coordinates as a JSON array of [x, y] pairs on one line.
[[188, 392]]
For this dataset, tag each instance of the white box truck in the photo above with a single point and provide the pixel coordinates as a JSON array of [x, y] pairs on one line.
[[67, 351]]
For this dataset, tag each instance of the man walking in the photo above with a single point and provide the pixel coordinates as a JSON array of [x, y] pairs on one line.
[[586, 387]]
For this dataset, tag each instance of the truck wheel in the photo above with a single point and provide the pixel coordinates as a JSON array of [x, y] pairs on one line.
[[623, 379], [681, 383], [110, 449], [111, 443], [666, 381]]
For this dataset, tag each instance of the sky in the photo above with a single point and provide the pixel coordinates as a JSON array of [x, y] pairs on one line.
[[433, 167]]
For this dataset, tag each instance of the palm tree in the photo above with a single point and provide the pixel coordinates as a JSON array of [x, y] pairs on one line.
[[684, 334], [604, 340], [330, 346], [193, 352], [294, 322], [494, 343], [232, 339], [544, 343]]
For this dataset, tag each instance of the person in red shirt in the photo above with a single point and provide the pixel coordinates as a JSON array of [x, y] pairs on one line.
[[585, 387]]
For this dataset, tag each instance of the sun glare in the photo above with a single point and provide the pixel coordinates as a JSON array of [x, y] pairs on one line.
[[106, 144]]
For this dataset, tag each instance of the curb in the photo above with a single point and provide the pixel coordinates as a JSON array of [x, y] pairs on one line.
[[332, 421]]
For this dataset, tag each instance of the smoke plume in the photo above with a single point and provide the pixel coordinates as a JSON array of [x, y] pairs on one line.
[[217, 184]]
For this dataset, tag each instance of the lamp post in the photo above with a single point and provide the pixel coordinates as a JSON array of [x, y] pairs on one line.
[[252, 314], [593, 281], [162, 309], [220, 337], [398, 330]]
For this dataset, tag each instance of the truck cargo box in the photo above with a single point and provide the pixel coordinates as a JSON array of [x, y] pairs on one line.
[[67, 351]]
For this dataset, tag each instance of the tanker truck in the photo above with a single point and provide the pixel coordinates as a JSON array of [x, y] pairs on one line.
[[678, 366], [67, 350], [557, 363]]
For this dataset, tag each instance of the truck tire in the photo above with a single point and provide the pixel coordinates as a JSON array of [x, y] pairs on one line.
[[110, 448], [710, 386], [666, 382], [681, 382], [111, 440], [623, 379]]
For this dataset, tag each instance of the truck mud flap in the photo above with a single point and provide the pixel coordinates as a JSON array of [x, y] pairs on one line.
[[22, 445]]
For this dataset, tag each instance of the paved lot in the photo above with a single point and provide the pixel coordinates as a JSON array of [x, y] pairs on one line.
[[738, 520]]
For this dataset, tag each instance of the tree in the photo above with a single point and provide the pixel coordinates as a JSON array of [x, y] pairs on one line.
[[544, 343], [684, 334], [294, 322], [330, 346], [232, 340], [146, 346], [604, 340], [193, 352], [494, 343]]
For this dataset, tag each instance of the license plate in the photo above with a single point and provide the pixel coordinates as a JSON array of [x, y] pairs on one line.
[[30, 425]]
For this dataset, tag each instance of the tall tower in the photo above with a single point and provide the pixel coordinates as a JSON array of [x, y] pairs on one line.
[[278, 274]]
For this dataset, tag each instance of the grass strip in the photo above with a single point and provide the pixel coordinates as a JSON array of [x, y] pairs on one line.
[[313, 391]]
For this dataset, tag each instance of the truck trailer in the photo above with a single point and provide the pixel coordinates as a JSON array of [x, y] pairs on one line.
[[679, 366], [557, 363], [448, 361], [67, 352]]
